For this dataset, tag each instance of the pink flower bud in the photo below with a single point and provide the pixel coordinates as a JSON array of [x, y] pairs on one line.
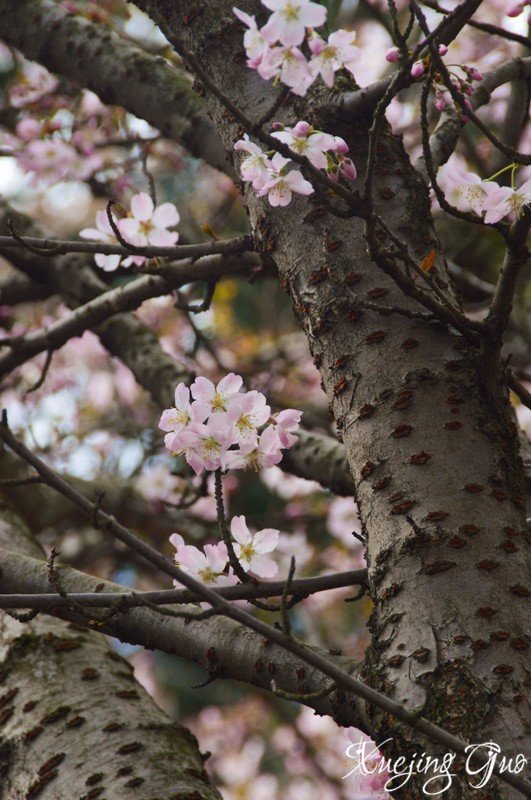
[[417, 69], [442, 49], [392, 55], [475, 75], [28, 128], [440, 103]]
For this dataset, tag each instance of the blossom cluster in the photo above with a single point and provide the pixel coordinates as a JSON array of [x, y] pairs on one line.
[[275, 52], [222, 427], [271, 174], [210, 565], [467, 192], [144, 225]]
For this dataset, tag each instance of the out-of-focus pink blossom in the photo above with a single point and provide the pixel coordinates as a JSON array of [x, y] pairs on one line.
[[30, 84]]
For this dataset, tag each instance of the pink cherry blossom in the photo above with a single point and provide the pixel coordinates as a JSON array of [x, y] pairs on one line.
[[147, 225], [211, 399], [103, 233], [250, 548], [290, 18], [287, 422], [253, 39], [290, 65], [204, 445], [306, 141], [265, 453], [464, 190], [368, 773], [51, 160], [328, 57], [208, 566], [282, 184], [31, 83], [255, 168], [176, 419], [503, 201], [248, 412]]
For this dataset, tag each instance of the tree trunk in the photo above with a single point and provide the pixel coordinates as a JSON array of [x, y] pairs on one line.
[[74, 723], [425, 420]]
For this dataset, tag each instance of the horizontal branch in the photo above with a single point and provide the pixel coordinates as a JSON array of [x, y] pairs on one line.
[[57, 247], [94, 57], [299, 588]]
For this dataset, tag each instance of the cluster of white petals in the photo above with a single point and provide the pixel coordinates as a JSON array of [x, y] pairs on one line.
[[223, 427], [275, 50], [467, 192], [274, 176]]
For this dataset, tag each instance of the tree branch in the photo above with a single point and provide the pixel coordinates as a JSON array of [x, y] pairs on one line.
[[125, 75]]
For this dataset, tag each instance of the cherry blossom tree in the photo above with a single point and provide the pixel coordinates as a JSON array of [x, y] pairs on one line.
[[265, 378]]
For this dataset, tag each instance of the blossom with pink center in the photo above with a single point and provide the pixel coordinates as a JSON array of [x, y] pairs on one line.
[[184, 412], [288, 64], [290, 19], [147, 225], [251, 547], [254, 40], [31, 83], [248, 412], [282, 184], [464, 190], [204, 445], [337, 53], [286, 423], [306, 141], [503, 201], [103, 233], [255, 455], [255, 168], [211, 399]]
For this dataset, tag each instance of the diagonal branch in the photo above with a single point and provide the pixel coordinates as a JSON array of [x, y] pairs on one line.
[[108, 304], [221, 606], [126, 75]]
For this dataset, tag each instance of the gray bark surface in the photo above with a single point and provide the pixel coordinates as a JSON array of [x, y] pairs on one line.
[[74, 722], [425, 421]]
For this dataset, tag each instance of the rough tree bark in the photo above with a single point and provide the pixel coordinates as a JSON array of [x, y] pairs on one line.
[[424, 416], [74, 723]]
